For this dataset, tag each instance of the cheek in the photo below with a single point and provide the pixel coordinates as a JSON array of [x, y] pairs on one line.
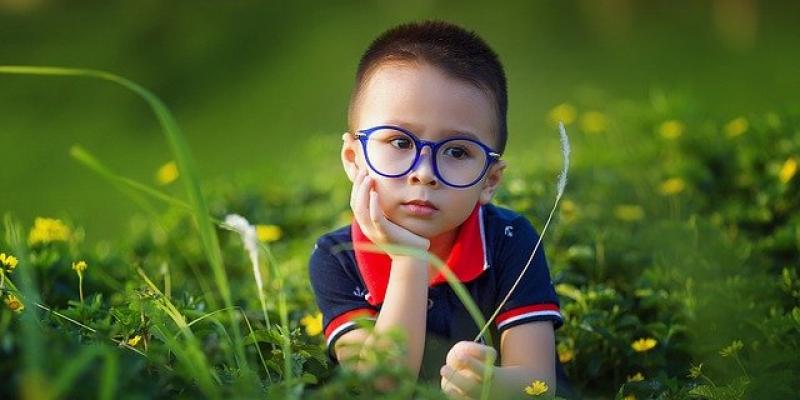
[[361, 161], [386, 189]]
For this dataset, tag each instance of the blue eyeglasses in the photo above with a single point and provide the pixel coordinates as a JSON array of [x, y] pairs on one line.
[[458, 162]]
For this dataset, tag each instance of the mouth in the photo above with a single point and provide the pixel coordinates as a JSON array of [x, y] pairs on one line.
[[420, 208], [421, 203]]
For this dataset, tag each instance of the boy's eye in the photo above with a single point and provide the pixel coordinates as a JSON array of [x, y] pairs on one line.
[[401, 143], [456, 152]]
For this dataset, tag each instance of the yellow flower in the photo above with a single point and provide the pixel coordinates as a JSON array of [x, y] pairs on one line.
[[79, 266], [565, 354], [313, 324], [134, 340], [167, 174], [637, 377], [46, 230], [788, 170], [537, 388], [268, 233], [8, 261], [14, 304], [516, 186], [644, 344], [594, 122], [672, 186], [736, 127], [629, 212], [629, 397], [732, 349], [568, 210], [563, 112], [671, 129]]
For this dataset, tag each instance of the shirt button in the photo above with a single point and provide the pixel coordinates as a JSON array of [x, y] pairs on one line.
[[430, 304]]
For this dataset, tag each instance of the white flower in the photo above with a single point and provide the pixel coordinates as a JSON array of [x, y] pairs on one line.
[[240, 225], [565, 150]]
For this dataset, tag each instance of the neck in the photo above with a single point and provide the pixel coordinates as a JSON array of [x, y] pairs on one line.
[[440, 247]]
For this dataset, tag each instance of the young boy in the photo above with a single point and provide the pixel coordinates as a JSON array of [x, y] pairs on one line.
[[427, 127]]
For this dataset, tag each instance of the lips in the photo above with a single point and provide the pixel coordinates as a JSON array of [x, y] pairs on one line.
[[421, 203], [420, 208]]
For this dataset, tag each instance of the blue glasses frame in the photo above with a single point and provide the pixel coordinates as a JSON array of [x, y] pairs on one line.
[[491, 155]]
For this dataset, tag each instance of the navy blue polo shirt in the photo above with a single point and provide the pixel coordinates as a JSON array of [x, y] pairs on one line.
[[491, 249]]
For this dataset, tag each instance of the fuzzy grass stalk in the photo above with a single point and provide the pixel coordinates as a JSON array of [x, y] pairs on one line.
[[186, 166], [562, 184], [247, 232]]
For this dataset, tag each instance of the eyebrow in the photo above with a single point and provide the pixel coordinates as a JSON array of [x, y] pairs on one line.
[[452, 132]]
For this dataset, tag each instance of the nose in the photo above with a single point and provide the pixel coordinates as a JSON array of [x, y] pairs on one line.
[[422, 171]]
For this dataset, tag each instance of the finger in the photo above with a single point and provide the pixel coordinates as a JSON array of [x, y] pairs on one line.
[[474, 350], [356, 184], [453, 394], [361, 202], [370, 223], [472, 367], [466, 383], [452, 391], [375, 212]]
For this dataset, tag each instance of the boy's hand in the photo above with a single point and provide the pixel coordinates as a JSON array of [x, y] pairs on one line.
[[374, 224], [468, 364]]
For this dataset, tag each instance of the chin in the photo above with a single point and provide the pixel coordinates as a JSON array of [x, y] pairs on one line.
[[425, 228]]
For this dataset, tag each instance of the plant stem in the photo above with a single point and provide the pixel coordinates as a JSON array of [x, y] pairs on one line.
[[738, 361], [80, 287]]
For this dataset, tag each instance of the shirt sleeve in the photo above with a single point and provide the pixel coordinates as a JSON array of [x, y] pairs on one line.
[[339, 293], [534, 298]]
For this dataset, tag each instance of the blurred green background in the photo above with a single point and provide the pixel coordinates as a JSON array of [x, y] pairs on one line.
[[260, 89]]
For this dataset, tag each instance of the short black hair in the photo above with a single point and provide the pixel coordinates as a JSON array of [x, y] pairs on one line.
[[459, 53]]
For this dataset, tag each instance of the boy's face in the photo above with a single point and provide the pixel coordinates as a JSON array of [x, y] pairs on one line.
[[433, 106]]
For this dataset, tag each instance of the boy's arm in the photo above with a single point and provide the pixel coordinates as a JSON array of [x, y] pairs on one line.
[[404, 307], [405, 303], [528, 354]]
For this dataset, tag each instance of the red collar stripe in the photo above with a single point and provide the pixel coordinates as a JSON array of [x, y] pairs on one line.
[[467, 258]]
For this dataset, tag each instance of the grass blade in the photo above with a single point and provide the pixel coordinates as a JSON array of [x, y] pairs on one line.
[[32, 342], [187, 168]]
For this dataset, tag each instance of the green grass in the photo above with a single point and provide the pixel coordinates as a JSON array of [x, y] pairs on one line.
[[696, 269], [721, 242]]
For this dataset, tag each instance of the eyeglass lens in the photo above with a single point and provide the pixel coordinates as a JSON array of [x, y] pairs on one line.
[[392, 152]]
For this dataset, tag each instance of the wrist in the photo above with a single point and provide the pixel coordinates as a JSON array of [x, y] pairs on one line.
[[408, 263]]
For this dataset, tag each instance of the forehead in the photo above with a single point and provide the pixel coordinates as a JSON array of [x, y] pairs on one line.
[[421, 98]]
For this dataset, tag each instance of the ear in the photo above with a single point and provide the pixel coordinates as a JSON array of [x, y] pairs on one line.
[[492, 181], [349, 155]]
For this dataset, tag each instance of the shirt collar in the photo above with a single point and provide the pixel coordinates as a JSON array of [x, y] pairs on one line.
[[467, 259]]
